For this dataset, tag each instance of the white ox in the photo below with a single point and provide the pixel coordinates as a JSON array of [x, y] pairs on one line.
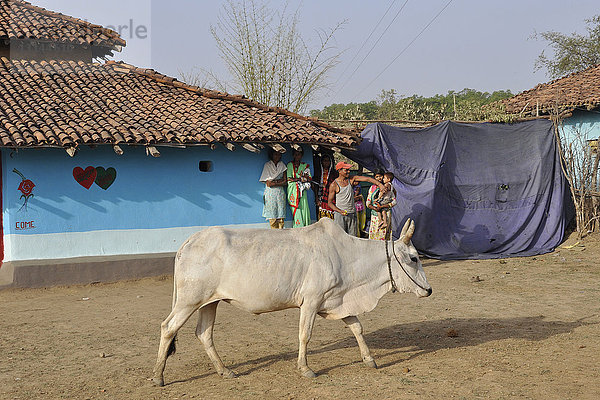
[[319, 269]]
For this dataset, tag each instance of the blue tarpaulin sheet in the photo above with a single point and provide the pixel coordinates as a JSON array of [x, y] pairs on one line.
[[474, 190]]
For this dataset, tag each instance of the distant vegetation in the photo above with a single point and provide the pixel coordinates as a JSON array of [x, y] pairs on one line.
[[466, 105]]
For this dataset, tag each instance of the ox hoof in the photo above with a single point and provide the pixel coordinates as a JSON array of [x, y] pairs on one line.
[[228, 374], [371, 364], [158, 382], [308, 373]]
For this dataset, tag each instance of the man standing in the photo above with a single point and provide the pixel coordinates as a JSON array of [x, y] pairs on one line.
[[341, 197]]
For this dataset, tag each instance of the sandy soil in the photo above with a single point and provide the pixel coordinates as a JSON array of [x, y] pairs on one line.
[[530, 328]]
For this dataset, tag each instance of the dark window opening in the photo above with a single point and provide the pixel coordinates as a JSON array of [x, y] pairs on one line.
[[206, 166]]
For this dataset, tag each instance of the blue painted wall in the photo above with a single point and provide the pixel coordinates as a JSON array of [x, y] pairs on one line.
[[148, 193], [587, 123]]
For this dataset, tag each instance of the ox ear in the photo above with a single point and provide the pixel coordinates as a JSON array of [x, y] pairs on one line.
[[407, 231]]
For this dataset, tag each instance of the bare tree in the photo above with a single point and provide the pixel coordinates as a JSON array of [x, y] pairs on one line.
[[268, 58], [580, 161]]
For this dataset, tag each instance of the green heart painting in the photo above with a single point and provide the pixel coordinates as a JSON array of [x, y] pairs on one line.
[[105, 177]]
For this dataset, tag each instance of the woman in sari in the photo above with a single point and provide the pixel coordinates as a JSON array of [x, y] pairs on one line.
[[377, 232], [328, 175], [298, 183], [274, 178]]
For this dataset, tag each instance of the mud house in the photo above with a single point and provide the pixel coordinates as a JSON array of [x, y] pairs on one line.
[[107, 168], [574, 99]]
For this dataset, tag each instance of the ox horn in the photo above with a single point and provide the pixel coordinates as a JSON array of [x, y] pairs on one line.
[[407, 231]]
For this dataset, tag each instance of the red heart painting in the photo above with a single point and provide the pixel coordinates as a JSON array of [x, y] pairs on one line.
[[85, 177]]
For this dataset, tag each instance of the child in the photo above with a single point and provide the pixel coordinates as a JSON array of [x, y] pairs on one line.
[[361, 214], [385, 197]]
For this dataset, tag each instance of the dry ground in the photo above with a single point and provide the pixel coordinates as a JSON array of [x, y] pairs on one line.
[[529, 329]]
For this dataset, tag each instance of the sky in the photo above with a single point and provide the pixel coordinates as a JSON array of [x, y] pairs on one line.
[[431, 47]]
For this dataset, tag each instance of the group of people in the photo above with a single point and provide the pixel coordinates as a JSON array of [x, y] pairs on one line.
[[338, 195]]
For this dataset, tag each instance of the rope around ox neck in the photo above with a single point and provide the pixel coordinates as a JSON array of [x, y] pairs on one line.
[[389, 261]]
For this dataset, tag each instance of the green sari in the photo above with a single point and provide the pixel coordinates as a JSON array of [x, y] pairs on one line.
[[298, 203]]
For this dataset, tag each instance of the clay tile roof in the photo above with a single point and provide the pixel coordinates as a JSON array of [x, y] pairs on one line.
[[22, 20], [68, 103], [579, 89]]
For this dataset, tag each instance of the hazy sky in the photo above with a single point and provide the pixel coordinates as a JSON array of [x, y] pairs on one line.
[[479, 44]]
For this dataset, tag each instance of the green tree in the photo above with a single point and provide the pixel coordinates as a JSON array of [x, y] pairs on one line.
[[571, 53]]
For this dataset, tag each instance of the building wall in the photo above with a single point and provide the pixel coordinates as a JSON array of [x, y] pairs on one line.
[[586, 123], [578, 129], [152, 205]]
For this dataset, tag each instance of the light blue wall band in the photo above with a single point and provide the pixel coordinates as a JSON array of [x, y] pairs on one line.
[[148, 194]]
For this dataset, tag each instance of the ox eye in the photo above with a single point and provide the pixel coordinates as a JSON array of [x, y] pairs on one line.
[[414, 259]]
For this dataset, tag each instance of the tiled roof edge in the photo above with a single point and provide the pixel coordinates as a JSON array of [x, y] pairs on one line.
[[566, 76], [109, 32], [214, 94], [540, 86]]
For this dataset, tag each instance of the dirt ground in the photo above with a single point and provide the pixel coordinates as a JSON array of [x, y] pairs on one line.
[[529, 328]]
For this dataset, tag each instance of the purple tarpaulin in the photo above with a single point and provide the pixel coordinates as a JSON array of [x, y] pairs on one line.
[[475, 191]]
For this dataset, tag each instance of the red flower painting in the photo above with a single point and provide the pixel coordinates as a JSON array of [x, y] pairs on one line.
[[26, 187]]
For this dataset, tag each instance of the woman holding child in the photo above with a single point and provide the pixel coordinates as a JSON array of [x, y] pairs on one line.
[[380, 203]]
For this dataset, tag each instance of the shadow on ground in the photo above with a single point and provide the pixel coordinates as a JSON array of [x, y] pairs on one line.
[[407, 341]]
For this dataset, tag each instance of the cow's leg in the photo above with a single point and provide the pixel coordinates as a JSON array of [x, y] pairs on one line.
[[204, 332], [307, 320], [168, 330], [356, 328]]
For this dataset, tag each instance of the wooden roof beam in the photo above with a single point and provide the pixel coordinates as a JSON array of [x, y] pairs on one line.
[[250, 148], [277, 147], [229, 146], [71, 151], [152, 151]]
